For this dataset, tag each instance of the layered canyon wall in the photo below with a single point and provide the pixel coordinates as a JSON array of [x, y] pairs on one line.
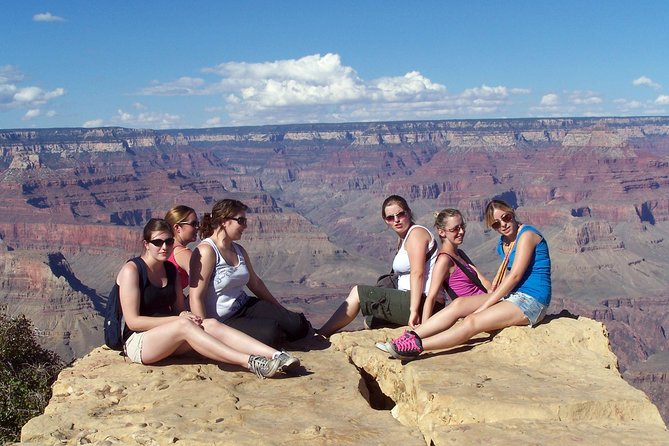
[[73, 202]]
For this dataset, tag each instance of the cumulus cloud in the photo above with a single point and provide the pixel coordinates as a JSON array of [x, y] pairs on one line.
[[32, 113], [47, 17], [584, 98], [647, 82], [93, 123], [13, 96], [320, 88], [549, 100], [662, 99], [146, 119]]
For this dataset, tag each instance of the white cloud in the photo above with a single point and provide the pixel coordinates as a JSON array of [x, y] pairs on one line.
[[213, 122], [93, 123], [146, 119], [320, 88], [647, 82], [14, 96], [32, 113], [662, 99], [47, 17], [584, 98], [550, 99]]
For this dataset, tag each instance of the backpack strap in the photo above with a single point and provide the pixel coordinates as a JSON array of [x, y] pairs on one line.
[[470, 275]]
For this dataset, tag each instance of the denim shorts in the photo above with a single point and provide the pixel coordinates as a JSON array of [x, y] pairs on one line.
[[533, 310], [133, 347]]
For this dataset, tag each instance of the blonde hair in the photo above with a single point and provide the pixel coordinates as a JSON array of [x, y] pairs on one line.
[[497, 205]]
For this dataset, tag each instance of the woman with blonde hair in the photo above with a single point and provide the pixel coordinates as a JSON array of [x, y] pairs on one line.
[[184, 223], [519, 295], [158, 326], [453, 271], [221, 268]]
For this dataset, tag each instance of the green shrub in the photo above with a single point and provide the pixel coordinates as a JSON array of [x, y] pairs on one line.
[[26, 374]]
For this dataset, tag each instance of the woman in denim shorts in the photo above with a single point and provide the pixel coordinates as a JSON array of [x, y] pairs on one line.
[[521, 298]]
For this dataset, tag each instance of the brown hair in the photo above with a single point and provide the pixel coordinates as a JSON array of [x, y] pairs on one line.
[[395, 199], [497, 205], [155, 225], [223, 209], [178, 214]]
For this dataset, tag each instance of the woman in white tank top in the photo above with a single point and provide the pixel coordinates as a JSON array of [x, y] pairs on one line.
[[416, 254]]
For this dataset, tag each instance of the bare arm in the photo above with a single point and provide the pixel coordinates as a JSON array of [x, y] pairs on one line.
[[182, 258], [524, 248], [202, 264], [255, 284], [416, 246], [440, 273]]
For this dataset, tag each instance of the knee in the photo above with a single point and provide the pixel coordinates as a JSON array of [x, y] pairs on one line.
[[353, 296], [184, 325]]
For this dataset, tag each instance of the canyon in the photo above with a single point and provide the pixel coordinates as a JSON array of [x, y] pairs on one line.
[[73, 202]]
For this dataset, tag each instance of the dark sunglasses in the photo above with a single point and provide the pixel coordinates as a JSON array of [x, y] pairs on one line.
[[456, 229], [195, 224], [505, 218], [391, 218], [241, 220], [157, 242]]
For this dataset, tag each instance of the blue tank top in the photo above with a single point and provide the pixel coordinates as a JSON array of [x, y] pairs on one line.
[[536, 281]]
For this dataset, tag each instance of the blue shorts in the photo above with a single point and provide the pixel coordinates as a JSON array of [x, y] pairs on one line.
[[533, 310]]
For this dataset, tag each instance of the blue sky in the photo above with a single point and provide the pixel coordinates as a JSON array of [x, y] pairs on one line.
[[193, 64]]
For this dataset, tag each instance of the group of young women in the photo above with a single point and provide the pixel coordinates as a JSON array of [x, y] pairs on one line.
[[223, 323]]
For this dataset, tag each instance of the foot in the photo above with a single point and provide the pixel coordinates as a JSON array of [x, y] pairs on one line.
[[287, 362], [383, 346], [263, 367], [407, 346]]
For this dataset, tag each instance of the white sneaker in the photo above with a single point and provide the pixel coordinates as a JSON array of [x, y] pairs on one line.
[[287, 362]]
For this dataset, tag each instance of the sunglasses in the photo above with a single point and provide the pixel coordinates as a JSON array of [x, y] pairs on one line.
[[456, 229], [241, 220], [195, 224], [392, 217], [158, 243], [505, 218]]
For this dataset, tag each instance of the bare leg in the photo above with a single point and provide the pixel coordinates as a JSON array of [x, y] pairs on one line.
[[164, 340], [344, 315], [445, 318], [233, 337], [498, 316]]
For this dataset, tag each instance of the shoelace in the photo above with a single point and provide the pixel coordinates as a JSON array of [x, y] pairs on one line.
[[407, 343], [258, 363]]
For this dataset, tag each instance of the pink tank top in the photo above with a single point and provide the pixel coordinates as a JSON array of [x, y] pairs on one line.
[[183, 275], [460, 283]]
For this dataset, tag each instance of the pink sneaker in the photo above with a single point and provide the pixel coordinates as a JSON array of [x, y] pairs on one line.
[[407, 346]]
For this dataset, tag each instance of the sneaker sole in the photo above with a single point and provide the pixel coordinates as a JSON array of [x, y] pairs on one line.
[[383, 346], [290, 365]]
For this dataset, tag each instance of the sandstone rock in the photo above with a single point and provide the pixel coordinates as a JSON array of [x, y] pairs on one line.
[[552, 385]]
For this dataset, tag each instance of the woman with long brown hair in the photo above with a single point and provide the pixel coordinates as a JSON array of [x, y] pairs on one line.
[[413, 263], [221, 268]]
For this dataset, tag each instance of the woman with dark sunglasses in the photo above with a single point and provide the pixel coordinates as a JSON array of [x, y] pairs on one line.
[[157, 325], [220, 269], [521, 297], [413, 263], [184, 223]]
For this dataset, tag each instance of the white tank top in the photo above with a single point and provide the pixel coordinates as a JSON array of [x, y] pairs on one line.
[[402, 267], [225, 294]]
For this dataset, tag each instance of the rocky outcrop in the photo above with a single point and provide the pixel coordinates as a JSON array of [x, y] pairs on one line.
[[555, 384]]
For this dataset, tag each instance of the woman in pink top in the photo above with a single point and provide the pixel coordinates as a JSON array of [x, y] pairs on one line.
[[447, 273], [184, 223]]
